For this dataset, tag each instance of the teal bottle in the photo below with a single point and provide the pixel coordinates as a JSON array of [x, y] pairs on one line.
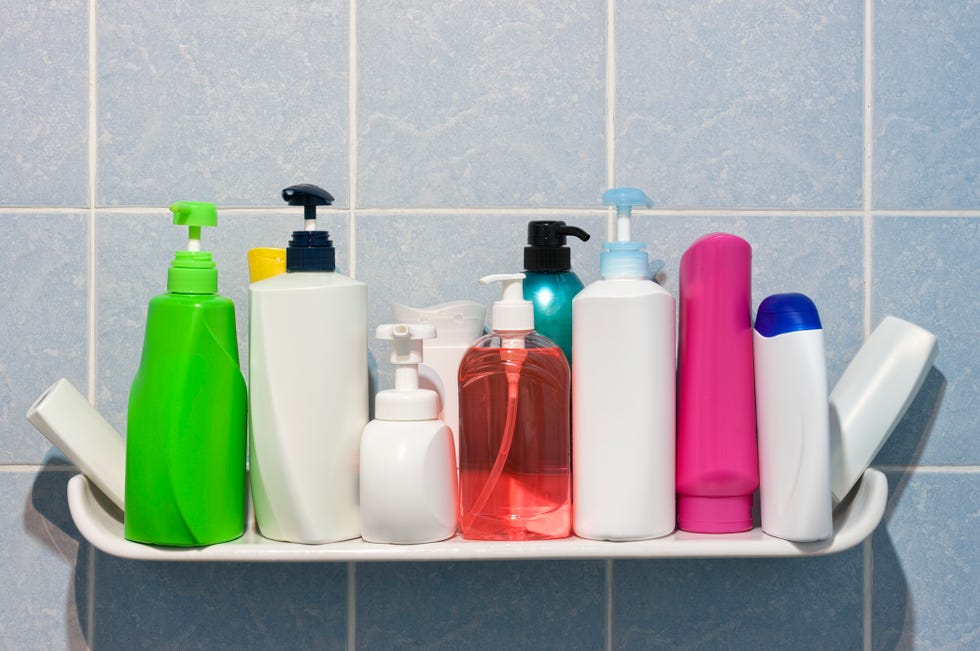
[[186, 426], [549, 283]]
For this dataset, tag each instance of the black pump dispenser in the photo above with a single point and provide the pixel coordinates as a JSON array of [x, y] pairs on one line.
[[309, 249], [546, 250]]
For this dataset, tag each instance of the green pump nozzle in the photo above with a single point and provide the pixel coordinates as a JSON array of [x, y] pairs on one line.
[[193, 271], [194, 214]]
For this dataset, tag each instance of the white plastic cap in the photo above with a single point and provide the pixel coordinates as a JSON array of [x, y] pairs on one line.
[[512, 312], [406, 402], [456, 322]]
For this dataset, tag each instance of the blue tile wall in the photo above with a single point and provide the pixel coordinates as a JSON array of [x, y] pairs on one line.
[[926, 105], [44, 103], [442, 130], [741, 105]]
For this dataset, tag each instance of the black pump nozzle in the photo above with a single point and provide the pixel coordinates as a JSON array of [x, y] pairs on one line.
[[307, 195], [546, 250], [310, 249]]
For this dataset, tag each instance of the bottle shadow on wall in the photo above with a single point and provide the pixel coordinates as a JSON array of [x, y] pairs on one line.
[[48, 520], [893, 612]]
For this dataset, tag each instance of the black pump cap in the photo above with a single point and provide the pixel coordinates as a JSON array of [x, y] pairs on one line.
[[546, 250], [309, 250]]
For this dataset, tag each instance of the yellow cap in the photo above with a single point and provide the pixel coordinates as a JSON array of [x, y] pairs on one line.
[[265, 262]]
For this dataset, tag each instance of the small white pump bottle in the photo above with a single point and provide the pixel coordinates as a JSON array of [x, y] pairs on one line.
[[623, 393], [792, 419], [409, 493]]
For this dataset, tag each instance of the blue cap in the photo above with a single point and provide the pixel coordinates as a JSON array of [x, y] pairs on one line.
[[782, 313]]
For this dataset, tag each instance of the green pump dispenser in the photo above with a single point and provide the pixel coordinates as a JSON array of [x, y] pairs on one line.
[[186, 426]]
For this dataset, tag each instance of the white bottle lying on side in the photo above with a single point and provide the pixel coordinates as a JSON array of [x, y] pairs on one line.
[[792, 419], [873, 395]]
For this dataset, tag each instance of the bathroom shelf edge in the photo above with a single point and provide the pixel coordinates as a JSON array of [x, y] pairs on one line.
[[100, 523]]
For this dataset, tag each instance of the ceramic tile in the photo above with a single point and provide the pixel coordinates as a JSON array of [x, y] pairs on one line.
[[925, 563], [134, 252], [739, 604], [495, 605], [421, 260], [487, 104], [44, 330], [44, 103], [926, 272], [926, 131], [817, 256], [221, 103], [219, 605], [740, 105], [42, 564]]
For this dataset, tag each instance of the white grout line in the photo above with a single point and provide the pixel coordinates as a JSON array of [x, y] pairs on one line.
[[93, 166], [351, 606], [867, 586], [610, 582], [867, 186], [514, 210], [93, 151], [610, 110], [352, 137], [35, 468], [867, 180]]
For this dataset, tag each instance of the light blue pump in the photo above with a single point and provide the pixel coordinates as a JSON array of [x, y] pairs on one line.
[[624, 258]]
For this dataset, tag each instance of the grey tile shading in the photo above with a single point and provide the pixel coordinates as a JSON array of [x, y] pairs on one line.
[[481, 605]]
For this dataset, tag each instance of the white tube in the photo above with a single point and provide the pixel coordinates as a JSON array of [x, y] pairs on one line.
[[67, 419]]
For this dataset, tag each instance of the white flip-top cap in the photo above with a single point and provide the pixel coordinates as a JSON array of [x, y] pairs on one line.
[[512, 312]]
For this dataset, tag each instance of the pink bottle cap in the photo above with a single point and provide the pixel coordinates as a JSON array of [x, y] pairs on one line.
[[729, 514]]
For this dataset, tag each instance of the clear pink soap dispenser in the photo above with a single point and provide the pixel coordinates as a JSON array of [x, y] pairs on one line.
[[717, 458], [514, 428]]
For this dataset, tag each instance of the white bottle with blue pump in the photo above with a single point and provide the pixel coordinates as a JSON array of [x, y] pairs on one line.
[[623, 385], [408, 487], [308, 388]]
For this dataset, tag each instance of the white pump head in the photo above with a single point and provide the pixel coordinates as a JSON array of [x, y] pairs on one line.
[[512, 313], [406, 402]]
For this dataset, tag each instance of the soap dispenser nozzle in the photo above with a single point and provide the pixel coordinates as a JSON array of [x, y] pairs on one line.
[[511, 313], [194, 214], [406, 350], [309, 196], [624, 199]]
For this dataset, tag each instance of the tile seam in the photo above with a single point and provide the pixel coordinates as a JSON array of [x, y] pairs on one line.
[[352, 140]]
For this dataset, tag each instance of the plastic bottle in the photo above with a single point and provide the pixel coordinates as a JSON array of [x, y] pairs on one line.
[[408, 488], [515, 479], [549, 282], [309, 388], [873, 394], [67, 419], [186, 425], [458, 324], [623, 388], [717, 459], [793, 423]]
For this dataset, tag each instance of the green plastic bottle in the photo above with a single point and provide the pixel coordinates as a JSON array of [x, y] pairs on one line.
[[186, 430]]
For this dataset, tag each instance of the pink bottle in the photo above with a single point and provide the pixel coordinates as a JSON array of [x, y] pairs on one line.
[[717, 460]]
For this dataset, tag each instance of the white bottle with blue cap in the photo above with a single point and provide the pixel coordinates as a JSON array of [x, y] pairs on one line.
[[623, 392], [792, 419]]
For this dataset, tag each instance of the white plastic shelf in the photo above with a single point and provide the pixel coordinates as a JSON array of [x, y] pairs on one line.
[[100, 522]]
